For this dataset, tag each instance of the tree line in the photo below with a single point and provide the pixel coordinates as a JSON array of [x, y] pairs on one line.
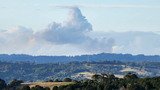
[[98, 82]]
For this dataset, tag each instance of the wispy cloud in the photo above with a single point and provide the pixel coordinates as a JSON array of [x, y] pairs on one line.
[[106, 6]]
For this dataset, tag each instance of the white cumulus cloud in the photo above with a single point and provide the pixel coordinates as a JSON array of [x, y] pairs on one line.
[[75, 36], [70, 37]]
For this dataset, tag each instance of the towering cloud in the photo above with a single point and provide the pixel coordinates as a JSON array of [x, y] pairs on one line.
[[75, 36], [68, 38], [71, 31]]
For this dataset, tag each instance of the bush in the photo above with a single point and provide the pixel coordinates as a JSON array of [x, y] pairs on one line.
[[15, 83], [25, 88], [46, 88], [55, 88], [2, 84], [67, 80]]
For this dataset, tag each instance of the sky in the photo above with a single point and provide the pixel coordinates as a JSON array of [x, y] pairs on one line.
[[67, 27], [105, 15]]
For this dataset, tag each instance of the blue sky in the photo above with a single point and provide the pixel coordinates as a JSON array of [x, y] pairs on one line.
[[104, 15]]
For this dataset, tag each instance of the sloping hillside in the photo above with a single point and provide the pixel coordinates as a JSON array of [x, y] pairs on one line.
[[77, 70]]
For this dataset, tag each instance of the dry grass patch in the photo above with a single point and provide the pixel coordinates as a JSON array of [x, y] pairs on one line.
[[48, 84]]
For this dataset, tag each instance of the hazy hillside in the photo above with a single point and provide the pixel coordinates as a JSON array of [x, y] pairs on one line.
[[64, 59]]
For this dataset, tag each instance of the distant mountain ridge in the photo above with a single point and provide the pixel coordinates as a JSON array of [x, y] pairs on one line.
[[65, 59]]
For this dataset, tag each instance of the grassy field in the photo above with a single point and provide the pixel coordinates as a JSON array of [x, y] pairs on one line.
[[47, 84]]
